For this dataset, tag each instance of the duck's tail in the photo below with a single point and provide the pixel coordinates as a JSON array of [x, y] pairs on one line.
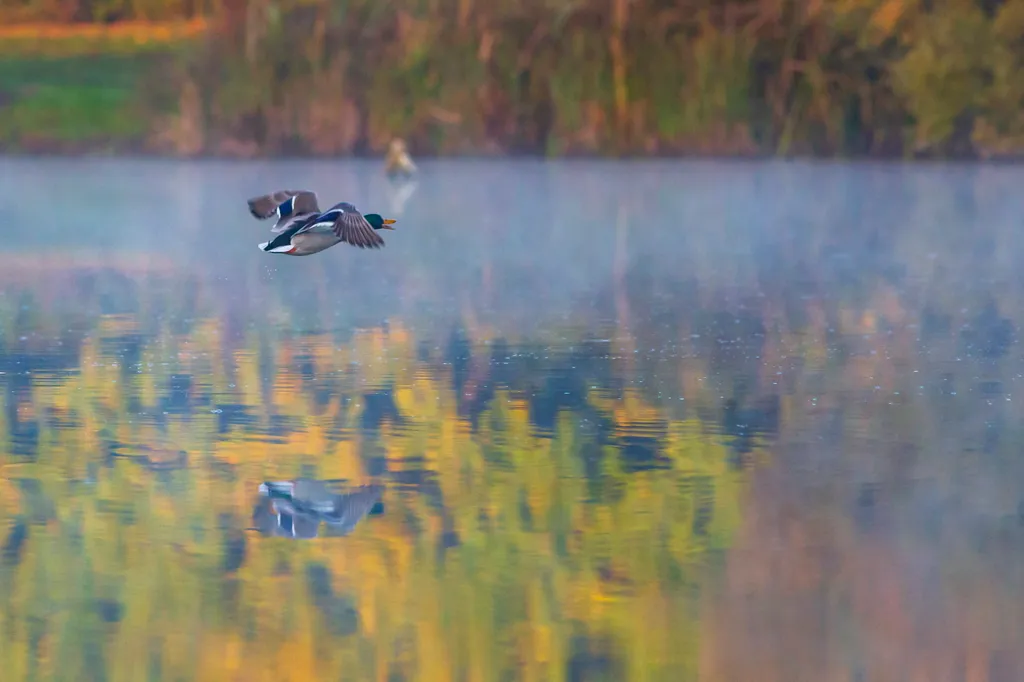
[[284, 248]]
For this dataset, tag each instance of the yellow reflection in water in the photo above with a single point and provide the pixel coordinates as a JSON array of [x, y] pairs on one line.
[[503, 551]]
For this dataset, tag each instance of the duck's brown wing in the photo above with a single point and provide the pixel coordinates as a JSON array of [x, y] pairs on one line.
[[348, 224], [352, 507], [298, 201], [353, 229]]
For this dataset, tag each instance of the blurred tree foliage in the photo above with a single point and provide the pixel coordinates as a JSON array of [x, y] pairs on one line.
[[851, 77]]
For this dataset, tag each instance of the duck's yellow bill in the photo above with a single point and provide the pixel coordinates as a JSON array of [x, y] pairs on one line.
[[387, 223]]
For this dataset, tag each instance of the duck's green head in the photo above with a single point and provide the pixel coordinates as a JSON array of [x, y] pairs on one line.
[[378, 222]]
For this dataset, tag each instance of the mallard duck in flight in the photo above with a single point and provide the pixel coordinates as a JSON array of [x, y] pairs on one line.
[[297, 508], [302, 229]]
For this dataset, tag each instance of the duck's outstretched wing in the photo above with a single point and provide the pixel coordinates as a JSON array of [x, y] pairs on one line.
[[350, 226], [286, 204], [351, 508]]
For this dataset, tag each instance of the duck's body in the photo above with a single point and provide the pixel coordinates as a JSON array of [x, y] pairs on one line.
[[302, 229], [296, 508], [398, 163]]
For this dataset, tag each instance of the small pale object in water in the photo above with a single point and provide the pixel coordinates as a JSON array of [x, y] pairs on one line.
[[398, 163]]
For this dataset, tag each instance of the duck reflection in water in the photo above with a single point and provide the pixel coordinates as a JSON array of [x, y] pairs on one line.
[[296, 508]]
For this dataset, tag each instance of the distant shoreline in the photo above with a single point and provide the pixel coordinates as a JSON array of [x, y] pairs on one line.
[[517, 158], [510, 80]]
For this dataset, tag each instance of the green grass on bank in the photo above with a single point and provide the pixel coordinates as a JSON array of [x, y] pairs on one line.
[[79, 92], [65, 100], [54, 103]]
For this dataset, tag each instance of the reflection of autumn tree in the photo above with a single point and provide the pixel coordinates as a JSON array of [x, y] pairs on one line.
[[537, 520]]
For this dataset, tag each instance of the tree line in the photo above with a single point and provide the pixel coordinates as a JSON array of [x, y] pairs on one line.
[[881, 78]]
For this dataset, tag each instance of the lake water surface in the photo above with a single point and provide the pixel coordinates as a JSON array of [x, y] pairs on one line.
[[621, 421]]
